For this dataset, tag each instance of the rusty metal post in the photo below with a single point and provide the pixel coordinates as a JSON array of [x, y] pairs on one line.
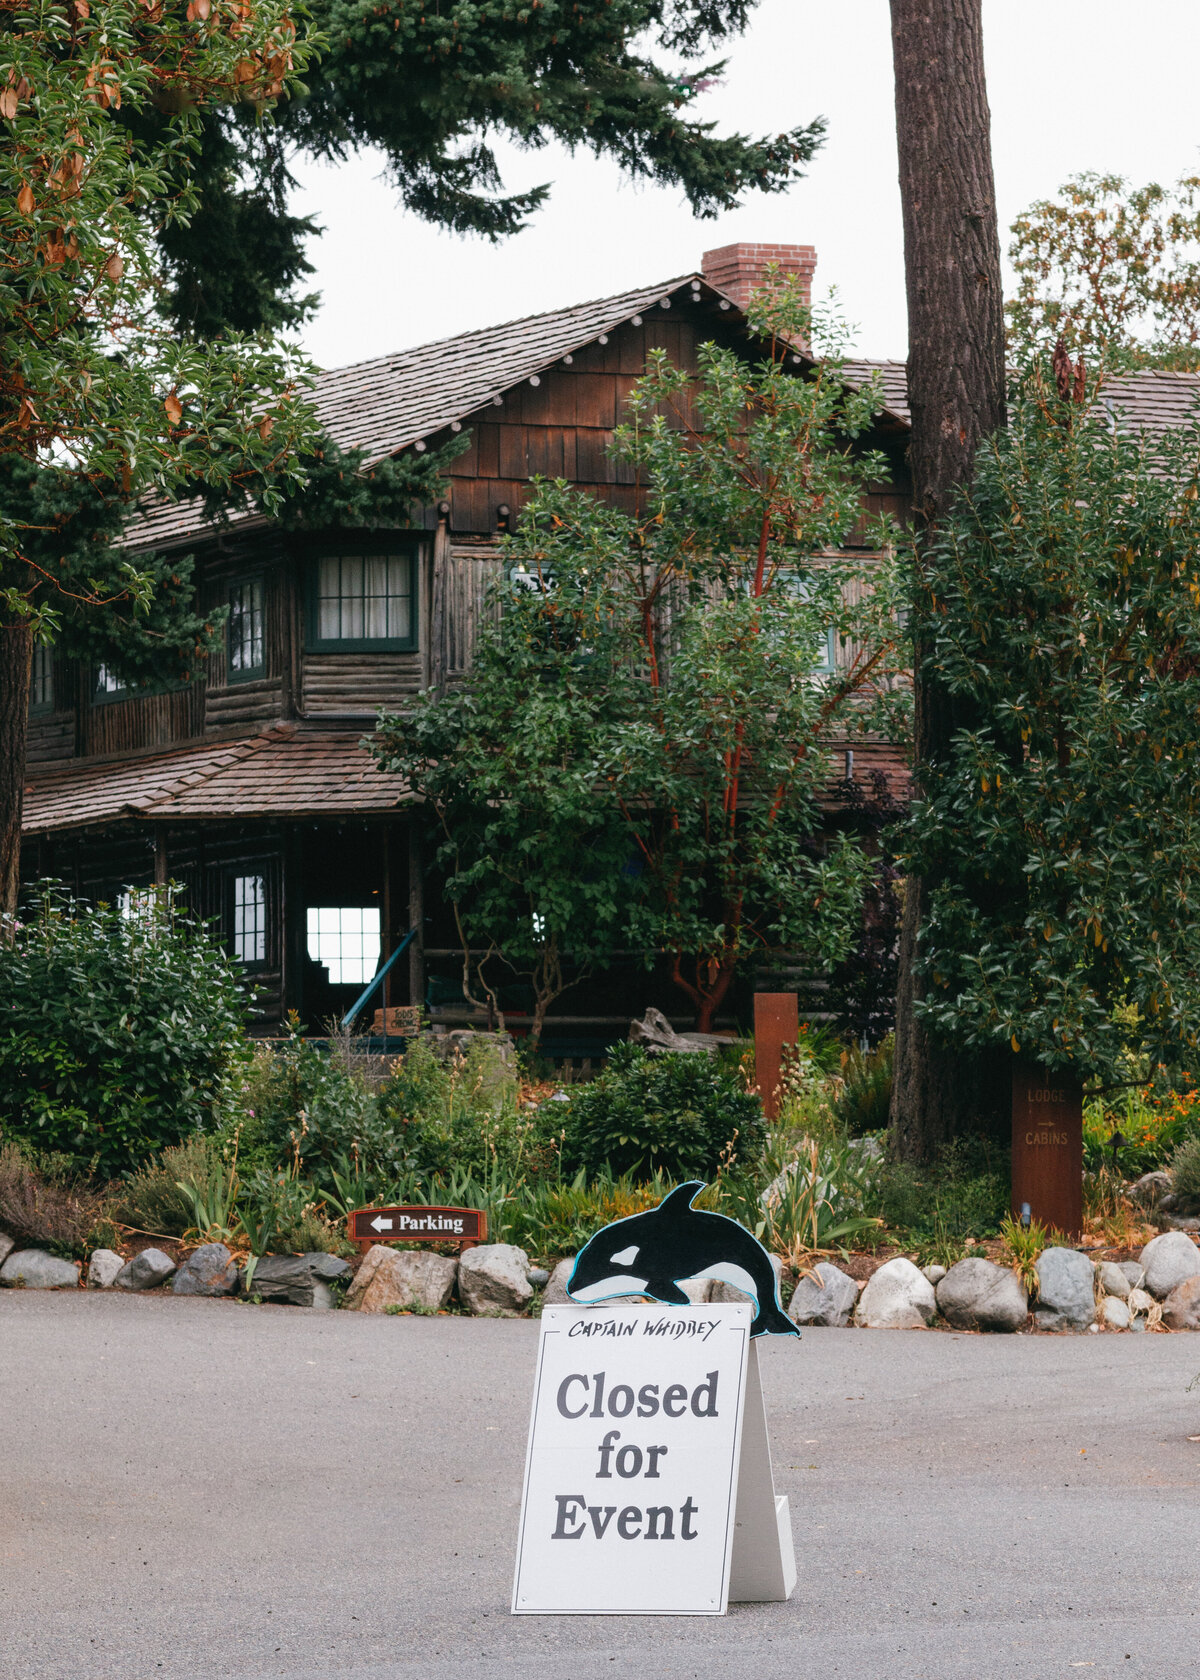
[[1047, 1148], [776, 1023]]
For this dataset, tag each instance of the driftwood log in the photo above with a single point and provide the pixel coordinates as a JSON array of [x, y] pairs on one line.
[[659, 1037]]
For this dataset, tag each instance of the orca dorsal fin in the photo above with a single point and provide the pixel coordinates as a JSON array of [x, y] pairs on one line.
[[682, 1196]]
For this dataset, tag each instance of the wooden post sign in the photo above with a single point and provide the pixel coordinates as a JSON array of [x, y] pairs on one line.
[[464, 1226], [648, 1486], [776, 1025], [1047, 1148]]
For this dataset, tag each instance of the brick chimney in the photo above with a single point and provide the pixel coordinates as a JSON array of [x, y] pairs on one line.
[[737, 270]]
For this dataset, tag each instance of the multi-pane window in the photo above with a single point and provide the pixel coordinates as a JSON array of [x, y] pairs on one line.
[[249, 919], [365, 599], [41, 679], [346, 939], [247, 653]]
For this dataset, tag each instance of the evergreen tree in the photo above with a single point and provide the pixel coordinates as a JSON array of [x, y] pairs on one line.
[[428, 87]]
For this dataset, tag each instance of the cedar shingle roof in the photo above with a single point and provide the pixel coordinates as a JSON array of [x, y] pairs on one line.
[[282, 772], [383, 405]]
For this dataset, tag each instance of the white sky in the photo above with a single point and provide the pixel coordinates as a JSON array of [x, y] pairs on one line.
[[1073, 84]]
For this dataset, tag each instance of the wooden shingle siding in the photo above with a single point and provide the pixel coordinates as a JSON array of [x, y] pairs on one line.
[[148, 720], [462, 577]]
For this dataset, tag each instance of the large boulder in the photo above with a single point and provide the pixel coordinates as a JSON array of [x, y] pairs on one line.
[[1066, 1290], [145, 1271], [104, 1268], [897, 1297], [209, 1270], [555, 1292], [1115, 1280], [32, 1268], [976, 1294], [493, 1280], [828, 1297], [6, 1247], [1181, 1309], [403, 1278], [1150, 1189], [1168, 1260], [291, 1280]]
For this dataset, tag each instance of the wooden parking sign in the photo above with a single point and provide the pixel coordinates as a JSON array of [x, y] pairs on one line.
[[464, 1226]]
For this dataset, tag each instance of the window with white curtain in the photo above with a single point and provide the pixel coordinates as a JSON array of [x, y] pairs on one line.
[[107, 685], [364, 600]]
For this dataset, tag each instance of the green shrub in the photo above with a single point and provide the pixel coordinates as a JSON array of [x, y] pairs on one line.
[[685, 1116], [150, 1199], [280, 1213], [461, 1116], [1185, 1171], [300, 1101], [116, 1030], [964, 1193]]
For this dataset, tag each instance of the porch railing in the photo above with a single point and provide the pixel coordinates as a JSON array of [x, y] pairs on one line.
[[361, 1002]]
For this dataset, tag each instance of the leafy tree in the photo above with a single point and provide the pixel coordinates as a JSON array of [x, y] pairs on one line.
[[1061, 598], [536, 860], [1112, 268], [428, 87], [99, 403], [640, 754]]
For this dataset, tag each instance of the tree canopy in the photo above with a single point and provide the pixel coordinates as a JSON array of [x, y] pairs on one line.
[[1113, 269], [1061, 600], [101, 403]]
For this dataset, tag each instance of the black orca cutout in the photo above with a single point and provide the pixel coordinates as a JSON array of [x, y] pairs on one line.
[[673, 1241]]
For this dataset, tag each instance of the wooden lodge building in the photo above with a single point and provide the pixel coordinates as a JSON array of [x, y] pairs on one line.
[[251, 786]]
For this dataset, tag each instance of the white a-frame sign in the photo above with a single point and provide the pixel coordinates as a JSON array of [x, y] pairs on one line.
[[648, 1486]]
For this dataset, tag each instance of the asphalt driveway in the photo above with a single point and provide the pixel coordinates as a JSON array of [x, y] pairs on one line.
[[200, 1490]]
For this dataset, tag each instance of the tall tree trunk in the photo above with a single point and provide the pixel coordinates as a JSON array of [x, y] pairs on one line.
[[956, 394], [16, 652]]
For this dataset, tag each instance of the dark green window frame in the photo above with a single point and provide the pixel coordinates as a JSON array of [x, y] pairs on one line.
[[397, 550], [239, 607]]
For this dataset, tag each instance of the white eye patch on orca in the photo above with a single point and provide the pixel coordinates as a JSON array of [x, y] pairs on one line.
[[610, 1286], [626, 1257]]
